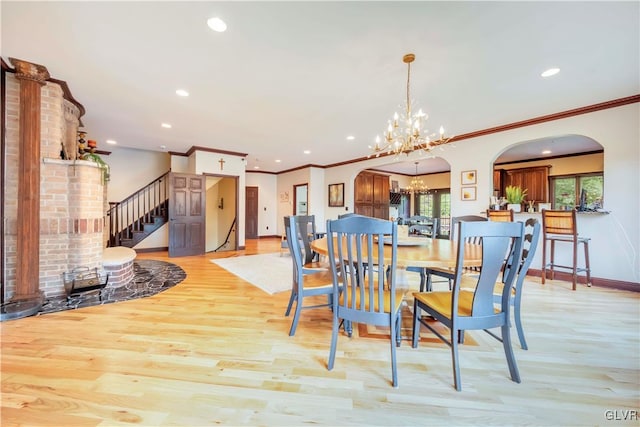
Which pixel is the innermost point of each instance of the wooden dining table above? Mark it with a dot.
(419, 252)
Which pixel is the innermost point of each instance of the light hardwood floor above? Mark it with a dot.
(215, 350)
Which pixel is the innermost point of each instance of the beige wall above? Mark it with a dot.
(133, 169)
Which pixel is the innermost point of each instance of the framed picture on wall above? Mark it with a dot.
(336, 195)
(468, 193)
(469, 177)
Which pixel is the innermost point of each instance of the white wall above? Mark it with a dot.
(615, 244)
(286, 181)
(318, 196)
(133, 169)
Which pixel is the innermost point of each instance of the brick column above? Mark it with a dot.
(31, 77)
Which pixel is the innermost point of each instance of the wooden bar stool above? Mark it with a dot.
(561, 226)
(504, 216)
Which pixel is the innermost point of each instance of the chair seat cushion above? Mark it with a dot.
(441, 301)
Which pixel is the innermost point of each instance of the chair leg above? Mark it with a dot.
(574, 277)
(399, 328)
(334, 342)
(348, 328)
(454, 359)
(508, 351)
(291, 299)
(416, 325)
(424, 282)
(393, 328)
(586, 262)
(296, 317)
(518, 320)
(544, 261)
(553, 247)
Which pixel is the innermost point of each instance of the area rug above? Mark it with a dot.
(271, 273)
(149, 278)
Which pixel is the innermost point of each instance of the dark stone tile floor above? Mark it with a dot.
(150, 277)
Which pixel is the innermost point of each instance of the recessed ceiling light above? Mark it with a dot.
(217, 24)
(111, 141)
(550, 72)
(278, 160)
(307, 152)
(351, 138)
(182, 92)
(166, 125)
(256, 167)
(163, 147)
(546, 152)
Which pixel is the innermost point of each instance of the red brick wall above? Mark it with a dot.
(72, 194)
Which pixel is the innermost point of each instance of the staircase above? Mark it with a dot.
(140, 214)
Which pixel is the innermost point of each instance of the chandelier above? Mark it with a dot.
(405, 132)
(417, 185)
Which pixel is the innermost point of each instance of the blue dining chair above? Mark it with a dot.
(472, 309)
(368, 283)
(306, 282)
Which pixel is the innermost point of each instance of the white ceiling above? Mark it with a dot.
(293, 76)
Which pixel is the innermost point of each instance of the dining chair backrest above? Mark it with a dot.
(295, 248)
(529, 245)
(306, 232)
(456, 220)
(359, 242)
(347, 215)
(497, 239)
(532, 229)
(500, 215)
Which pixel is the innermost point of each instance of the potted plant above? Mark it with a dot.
(515, 197)
(93, 157)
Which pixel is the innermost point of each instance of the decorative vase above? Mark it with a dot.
(517, 207)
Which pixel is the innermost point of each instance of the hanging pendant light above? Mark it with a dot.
(405, 132)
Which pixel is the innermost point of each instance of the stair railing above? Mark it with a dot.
(228, 235)
(130, 215)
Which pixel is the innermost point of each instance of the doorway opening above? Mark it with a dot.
(221, 214)
(300, 199)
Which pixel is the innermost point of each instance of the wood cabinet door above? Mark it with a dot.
(364, 188)
(534, 180)
(364, 209)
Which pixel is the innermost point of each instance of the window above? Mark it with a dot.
(435, 204)
(566, 190)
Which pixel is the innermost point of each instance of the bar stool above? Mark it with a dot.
(505, 216)
(561, 226)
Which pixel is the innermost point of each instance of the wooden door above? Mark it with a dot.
(186, 214)
(251, 213)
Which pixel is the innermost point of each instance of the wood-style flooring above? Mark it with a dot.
(215, 350)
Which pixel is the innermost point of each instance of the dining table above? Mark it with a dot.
(418, 252)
